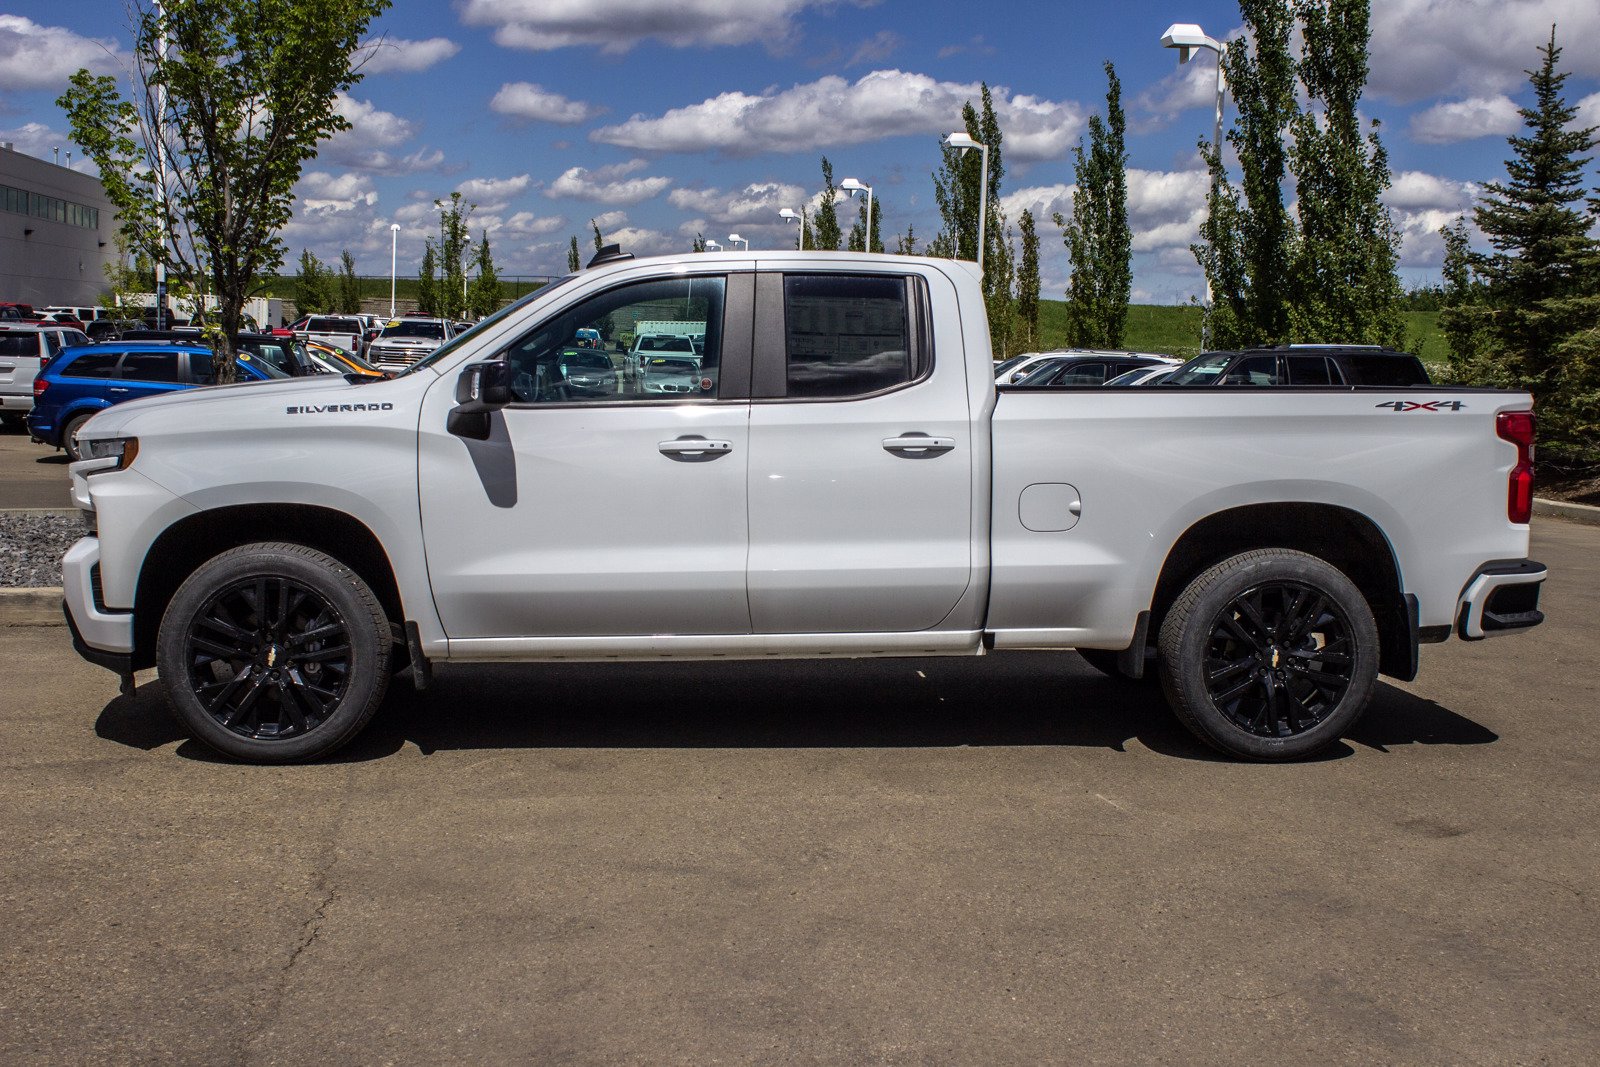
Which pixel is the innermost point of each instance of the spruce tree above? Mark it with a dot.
(1345, 285)
(1098, 239)
(825, 223)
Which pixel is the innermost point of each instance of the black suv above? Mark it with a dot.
(1304, 365)
(285, 353)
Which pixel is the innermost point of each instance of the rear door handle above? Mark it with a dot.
(918, 444)
(118, 389)
(694, 446)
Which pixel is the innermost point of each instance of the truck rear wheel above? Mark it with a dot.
(1270, 655)
(273, 653)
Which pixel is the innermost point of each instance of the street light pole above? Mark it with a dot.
(394, 245)
(851, 186)
(788, 215)
(734, 238)
(1187, 37)
(963, 141)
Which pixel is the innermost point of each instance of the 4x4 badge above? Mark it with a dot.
(1423, 405)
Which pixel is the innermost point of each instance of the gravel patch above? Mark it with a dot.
(32, 544)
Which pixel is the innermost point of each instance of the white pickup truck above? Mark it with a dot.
(846, 481)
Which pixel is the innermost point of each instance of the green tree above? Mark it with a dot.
(825, 232)
(906, 244)
(958, 189)
(1098, 239)
(857, 240)
(1028, 285)
(699, 243)
(1346, 287)
(313, 286)
(349, 300)
(229, 99)
(1248, 242)
(483, 295)
(599, 241)
(427, 282)
(454, 240)
(574, 261)
(1465, 318)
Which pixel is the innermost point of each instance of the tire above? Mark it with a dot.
(69, 435)
(274, 686)
(1270, 655)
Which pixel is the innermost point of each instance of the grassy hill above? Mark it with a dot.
(1175, 330)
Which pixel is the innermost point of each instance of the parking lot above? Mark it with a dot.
(1005, 860)
(31, 475)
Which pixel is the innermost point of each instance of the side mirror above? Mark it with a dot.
(484, 387)
(481, 389)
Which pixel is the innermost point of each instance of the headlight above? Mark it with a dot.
(123, 449)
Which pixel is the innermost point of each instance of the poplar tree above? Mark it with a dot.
(1028, 285)
(427, 283)
(313, 288)
(349, 284)
(857, 240)
(1345, 285)
(483, 295)
(825, 231)
(1098, 239)
(574, 261)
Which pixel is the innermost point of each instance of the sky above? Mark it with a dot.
(664, 119)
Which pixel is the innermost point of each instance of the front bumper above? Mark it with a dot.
(101, 636)
(1502, 598)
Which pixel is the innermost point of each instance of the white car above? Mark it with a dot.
(405, 341)
(25, 349)
(1017, 368)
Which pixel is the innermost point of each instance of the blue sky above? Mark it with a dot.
(666, 118)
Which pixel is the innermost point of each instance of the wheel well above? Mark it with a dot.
(1347, 539)
(190, 542)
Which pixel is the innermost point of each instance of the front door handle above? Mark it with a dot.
(918, 444)
(118, 389)
(695, 448)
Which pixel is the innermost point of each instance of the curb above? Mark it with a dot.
(1560, 509)
(39, 606)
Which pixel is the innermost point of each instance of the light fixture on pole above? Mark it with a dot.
(712, 246)
(851, 186)
(735, 239)
(963, 141)
(466, 242)
(394, 246)
(788, 214)
(1187, 38)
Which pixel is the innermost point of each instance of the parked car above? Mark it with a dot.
(84, 314)
(63, 318)
(110, 329)
(1304, 365)
(346, 331)
(26, 348)
(406, 340)
(1019, 367)
(648, 345)
(671, 374)
(1154, 375)
(587, 373)
(13, 312)
(342, 360)
(1087, 369)
(285, 353)
(81, 382)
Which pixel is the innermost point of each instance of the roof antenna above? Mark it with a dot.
(609, 254)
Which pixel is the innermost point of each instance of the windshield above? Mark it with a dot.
(462, 338)
(1202, 370)
(414, 328)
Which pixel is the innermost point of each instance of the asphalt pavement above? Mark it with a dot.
(998, 860)
(31, 475)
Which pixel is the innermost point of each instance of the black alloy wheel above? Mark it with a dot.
(1279, 658)
(268, 657)
(274, 652)
(1269, 655)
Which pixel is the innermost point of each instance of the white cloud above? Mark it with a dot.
(493, 194)
(44, 57)
(618, 25)
(756, 203)
(1165, 208)
(527, 224)
(1463, 120)
(323, 193)
(373, 133)
(832, 111)
(1589, 110)
(395, 55)
(1420, 204)
(38, 140)
(525, 100)
(609, 220)
(1193, 85)
(1425, 48)
(608, 185)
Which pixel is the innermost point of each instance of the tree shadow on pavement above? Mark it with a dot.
(1013, 699)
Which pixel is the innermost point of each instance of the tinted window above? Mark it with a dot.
(1253, 370)
(200, 371)
(1388, 370)
(1309, 370)
(150, 366)
(846, 335)
(17, 345)
(1081, 374)
(427, 330)
(94, 365)
(554, 365)
(1202, 370)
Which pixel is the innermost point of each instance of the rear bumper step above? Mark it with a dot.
(1502, 599)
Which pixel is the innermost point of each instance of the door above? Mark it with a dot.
(595, 508)
(860, 455)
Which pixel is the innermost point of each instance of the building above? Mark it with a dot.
(57, 232)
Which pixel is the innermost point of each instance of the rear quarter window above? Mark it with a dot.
(1388, 370)
(93, 365)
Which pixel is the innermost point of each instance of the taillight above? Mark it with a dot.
(1517, 427)
(39, 386)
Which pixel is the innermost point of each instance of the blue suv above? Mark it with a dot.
(90, 378)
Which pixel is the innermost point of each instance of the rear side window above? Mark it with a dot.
(1311, 370)
(1081, 374)
(1388, 370)
(18, 345)
(150, 366)
(845, 335)
(93, 365)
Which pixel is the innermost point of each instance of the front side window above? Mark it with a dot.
(580, 355)
(846, 335)
(1253, 370)
(1309, 370)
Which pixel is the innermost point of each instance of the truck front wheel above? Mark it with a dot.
(273, 653)
(1270, 655)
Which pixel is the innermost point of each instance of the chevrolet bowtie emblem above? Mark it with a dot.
(1274, 659)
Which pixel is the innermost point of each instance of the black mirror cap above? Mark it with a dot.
(484, 387)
